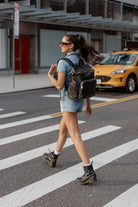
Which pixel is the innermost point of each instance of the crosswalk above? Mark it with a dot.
(126, 199)
(36, 190)
(45, 186)
(26, 121)
(92, 98)
(32, 154)
(17, 113)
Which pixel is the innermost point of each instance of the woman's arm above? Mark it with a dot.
(88, 108)
(59, 83)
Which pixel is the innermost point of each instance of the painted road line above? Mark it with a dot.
(37, 152)
(128, 98)
(17, 113)
(1, 109)
(92, 98)
(42, 187)
(56, 114)
(26, 121)
(127, 199)
(94, 106)
(26, 135)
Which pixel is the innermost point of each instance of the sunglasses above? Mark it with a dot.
(65, 43)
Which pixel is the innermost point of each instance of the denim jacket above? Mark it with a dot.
(63, 66)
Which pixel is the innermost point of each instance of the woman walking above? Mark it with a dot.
(70, 108)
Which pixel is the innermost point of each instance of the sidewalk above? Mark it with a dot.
(24, 82)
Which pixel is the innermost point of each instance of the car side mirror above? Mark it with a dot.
(137, 63)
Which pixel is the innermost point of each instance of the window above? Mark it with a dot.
(23, 2)
(114, 10)
(76, 6)
(33, 3)
(96, 8)
(120, 59)
(55, 5)
(127, 13)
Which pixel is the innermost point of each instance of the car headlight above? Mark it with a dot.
(123, 70)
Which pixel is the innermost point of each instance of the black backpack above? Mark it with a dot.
(82, 83)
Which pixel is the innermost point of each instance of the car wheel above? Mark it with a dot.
(130, 84)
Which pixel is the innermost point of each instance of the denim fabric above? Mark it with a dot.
(67, 104)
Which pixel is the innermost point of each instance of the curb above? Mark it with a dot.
(24, 90)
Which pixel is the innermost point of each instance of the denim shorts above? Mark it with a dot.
(69, 105)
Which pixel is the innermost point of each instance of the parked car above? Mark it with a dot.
(101, 57)
(118, 70)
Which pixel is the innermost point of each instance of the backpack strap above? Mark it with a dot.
(70, 63)
(67, 60)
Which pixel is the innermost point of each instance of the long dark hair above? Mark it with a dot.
(86, 51)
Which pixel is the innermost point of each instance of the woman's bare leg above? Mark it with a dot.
(62, 136)
(51, 158)
(71, 122)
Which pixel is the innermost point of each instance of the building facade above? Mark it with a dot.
(107, 24)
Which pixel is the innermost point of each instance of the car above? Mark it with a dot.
(100, 58)
(118, 70)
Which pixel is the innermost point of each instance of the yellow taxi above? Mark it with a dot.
(118, 70)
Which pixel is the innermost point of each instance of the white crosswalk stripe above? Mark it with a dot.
(17, 113)
(32, 154)
(1, 109)
(102, 99)
(26, 135)
(51, 96)
(26, 121)
(92, 98)
(126, 199)
(40, 188)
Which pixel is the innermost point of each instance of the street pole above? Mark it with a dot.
(15, 34)
(13, 52)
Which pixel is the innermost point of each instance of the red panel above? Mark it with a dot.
(17, 55)
(25, 53)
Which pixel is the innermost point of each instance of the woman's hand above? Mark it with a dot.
(88, 108)
(52, 69)
(88, 111)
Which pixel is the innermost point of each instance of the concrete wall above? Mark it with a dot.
(50, 46)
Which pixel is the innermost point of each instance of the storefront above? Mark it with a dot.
(44, 23)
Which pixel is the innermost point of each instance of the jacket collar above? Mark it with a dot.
(71, 53)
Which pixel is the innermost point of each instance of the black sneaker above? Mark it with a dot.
(50, 158)
(88, 177)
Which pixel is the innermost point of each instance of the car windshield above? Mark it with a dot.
(119, 59)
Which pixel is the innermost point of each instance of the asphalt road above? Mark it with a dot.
(29, 127)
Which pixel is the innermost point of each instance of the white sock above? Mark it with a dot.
(87, 165)
(56, 153)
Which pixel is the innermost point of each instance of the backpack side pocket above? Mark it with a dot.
(87, 89)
